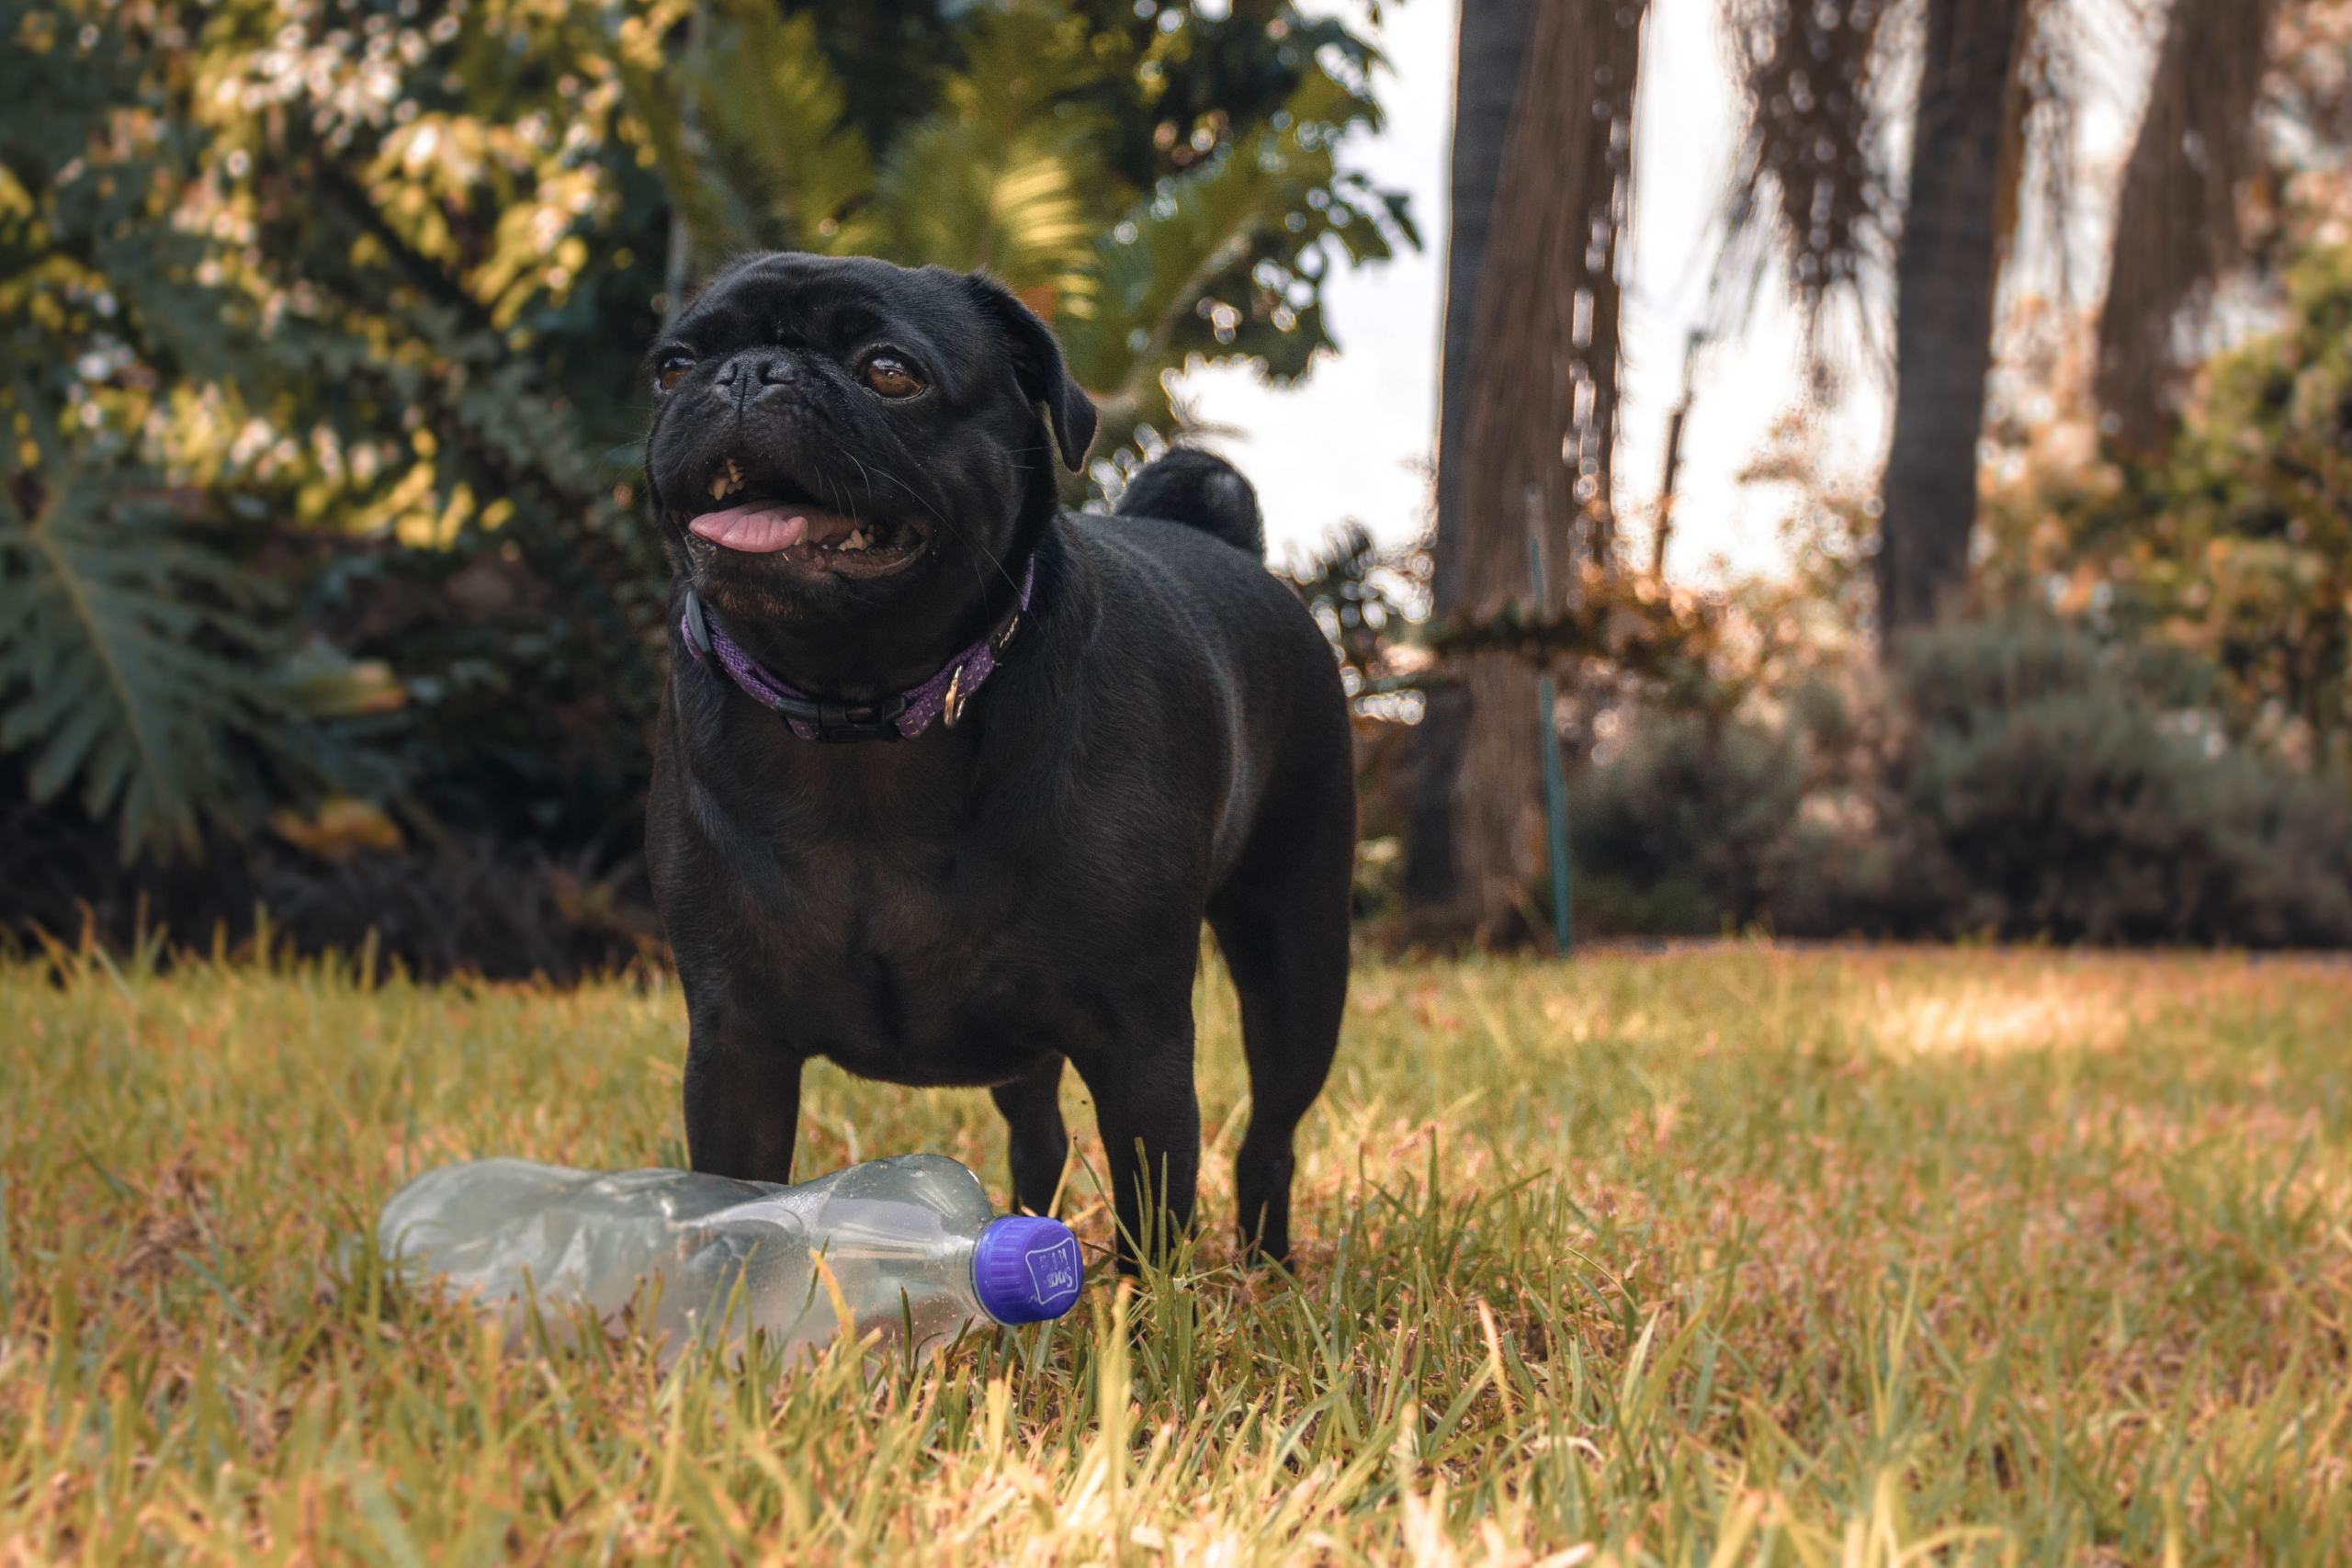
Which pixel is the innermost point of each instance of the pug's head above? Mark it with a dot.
(851, 460)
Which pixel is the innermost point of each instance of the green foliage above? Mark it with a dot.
(312, 340)
(2236, 542)
(1170, 270)
(1005, 176)
(749, 138)
(143, 668)
(1017, 170)
(361, 291)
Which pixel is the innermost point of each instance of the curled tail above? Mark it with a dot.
(1200, 491)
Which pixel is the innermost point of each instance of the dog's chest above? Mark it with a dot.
(925, 952)
(914, 915)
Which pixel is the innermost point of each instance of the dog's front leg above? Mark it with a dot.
(1150, 1121)
(742, 1101)
(1035, 1136)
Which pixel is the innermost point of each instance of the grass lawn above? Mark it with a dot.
(1726, 1257)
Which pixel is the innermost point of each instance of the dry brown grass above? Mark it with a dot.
(1724, 1257)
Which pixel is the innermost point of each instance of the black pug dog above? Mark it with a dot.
(947, 777)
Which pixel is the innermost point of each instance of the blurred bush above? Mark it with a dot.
(1685, 826)
(2014, 778)
(2055, 787)
(457, 903)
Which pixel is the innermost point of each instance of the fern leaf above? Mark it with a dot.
(130, 662)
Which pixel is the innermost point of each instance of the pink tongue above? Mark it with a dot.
(755, 529)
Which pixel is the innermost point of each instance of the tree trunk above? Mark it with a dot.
(2177, 228)
(1490, 44)
(1527, 421)
(1945, 277)
(1485, 81)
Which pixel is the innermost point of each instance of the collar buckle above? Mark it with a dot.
(844, 721)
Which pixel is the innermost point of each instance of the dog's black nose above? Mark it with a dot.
(751, 373)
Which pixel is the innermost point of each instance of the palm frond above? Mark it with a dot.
(2177, 227)
(1007, 174)
(1811, 180)
(131, 662)
(773, 125)
(1160, 272)
(749, 134)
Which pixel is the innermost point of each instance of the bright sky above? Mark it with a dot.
(1356, 440)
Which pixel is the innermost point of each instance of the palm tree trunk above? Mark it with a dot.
(1491, 42)
(1527, 424)
(1945, 277)
(2177, 228)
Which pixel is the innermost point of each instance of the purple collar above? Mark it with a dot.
(902, 718)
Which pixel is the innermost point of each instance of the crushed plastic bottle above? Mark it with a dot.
(910, 1241)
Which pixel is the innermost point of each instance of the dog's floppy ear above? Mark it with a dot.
(1037, 365)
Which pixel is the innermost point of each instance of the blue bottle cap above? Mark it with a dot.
(1026, 1269)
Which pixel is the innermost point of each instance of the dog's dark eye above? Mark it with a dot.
(672, 369)
(891, 377)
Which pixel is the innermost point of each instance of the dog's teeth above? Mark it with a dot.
(857, 540)
(727, 483)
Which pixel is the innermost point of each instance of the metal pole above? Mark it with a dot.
(1556, 787)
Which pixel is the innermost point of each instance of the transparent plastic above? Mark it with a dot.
(910, 1243)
